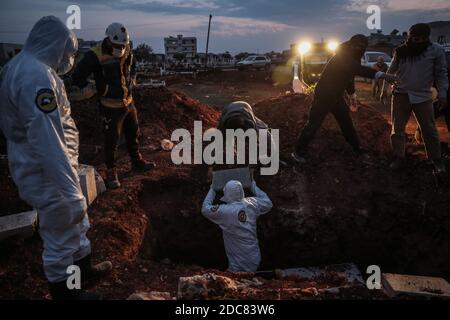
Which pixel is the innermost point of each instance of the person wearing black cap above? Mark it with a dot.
(418, 64)
(337, 79)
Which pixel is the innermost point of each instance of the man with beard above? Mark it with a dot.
(418, 63)
(338, 78)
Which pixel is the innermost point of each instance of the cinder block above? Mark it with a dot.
(22, 224)
(88, 183)
(396, 284)
(243, 175)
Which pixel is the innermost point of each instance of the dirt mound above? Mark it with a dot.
(160, 111)
(289, 113)
(334, 209)
(318, 203)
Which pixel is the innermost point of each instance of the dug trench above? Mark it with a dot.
(336, 208)
(399, 236)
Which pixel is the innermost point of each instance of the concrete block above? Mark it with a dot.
(100, 183)
(220, 178)
(91, 182)
(349, 271)
(396, 285)
(88, 183)
(22, 224)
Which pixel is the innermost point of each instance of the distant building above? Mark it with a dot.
(440, 31)
(186, 46)
(9, 51)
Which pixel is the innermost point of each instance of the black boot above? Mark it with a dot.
(92, 273)
(142, 165)
(59, 291)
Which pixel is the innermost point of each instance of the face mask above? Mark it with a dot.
(66, 66)
(118, 53)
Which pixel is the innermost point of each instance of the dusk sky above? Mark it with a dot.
(251, 25)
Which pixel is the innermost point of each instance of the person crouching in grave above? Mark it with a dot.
(237, 218)
(240, 115)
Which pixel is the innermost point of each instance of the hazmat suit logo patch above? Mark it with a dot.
(242, 216)
(46, 101)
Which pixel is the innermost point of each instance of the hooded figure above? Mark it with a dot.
(237, 219)
(42, 143)
(337, 80)
(240, 115)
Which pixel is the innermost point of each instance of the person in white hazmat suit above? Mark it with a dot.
(42, 144)
(237, 219)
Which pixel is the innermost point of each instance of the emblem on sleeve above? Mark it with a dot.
(242, 216)
(215, 208)
(46, 100)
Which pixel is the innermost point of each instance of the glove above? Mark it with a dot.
(392, 79)
(353, 101)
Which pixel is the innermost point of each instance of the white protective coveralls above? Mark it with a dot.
(42, 143)
(237, 219)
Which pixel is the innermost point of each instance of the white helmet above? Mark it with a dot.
(233, 192)
(118, 34)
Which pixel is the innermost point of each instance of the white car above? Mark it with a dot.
(370, 58)
(254, 62)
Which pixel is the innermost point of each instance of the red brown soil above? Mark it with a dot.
(352, 210)
(153, 232)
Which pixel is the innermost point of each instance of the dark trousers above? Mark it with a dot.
(319, 110)
(116, 120)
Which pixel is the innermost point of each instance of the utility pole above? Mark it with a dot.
(207, 42)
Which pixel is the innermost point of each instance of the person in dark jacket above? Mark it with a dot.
(112, 64)
(337, 79)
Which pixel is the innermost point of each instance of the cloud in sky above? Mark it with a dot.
(402, 5)
(237, 25)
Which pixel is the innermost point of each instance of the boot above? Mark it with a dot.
(142, 165)
(59, 291)
(92, 273)
(112, 180)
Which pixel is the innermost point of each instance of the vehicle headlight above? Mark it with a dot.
(333, 45)
(304, 47)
